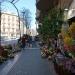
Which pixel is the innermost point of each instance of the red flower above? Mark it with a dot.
(66, 47)
(72, 48)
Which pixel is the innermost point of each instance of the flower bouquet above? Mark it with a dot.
(72, 30)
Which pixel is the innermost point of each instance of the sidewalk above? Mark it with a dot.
(31, 63)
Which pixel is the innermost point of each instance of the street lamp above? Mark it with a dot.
(18, 15)
(36, 26)
(13, 3)
(23, 21)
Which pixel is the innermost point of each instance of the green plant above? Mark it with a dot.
(5, 54)
(1, 60)
(51, 25)
(8, 47)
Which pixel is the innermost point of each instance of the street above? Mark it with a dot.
(7, 42)
(29, 62)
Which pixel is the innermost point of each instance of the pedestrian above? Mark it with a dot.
(30, 41)
(19, 42)
(33, 38)
(23, 40)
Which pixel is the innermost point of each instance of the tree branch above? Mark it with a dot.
(14, 1)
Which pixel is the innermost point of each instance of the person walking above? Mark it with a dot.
(23, 40)
(19, 42)
(30, 41)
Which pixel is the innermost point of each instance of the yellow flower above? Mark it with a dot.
(72, 30)
(68, 41)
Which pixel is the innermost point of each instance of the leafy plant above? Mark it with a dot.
(51, 25)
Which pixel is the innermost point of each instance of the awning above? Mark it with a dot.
(46, 4)
(71, 20)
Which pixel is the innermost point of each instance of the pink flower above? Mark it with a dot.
(66, 47)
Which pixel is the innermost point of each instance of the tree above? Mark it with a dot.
(51, 25)
(13, 1)
(26, 17)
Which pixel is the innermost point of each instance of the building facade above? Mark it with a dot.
(10, 26)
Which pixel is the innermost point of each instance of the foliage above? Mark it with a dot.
(51, 24)
(72, 30)
(9, 47)
(27, 17)
(68, 41)
(5, 54)
(44, 30)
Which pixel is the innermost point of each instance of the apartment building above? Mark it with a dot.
(10, 26)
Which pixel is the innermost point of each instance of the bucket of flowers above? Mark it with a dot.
(69, 42)
(43, 49)
(51, 52)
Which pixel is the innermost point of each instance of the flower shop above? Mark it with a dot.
(61, 50)
(65, 59)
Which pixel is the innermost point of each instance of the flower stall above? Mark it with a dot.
(65, 63)
(69, 42)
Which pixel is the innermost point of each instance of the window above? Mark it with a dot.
(13, 24)
(3, 16)
(8, 29)
(8, 18)
(12, 19)
(3, 29)
(13, 29)
(8, 25)
(3, 25)
(3, 19)
(12, 35)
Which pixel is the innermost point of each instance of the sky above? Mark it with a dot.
(28, 4)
